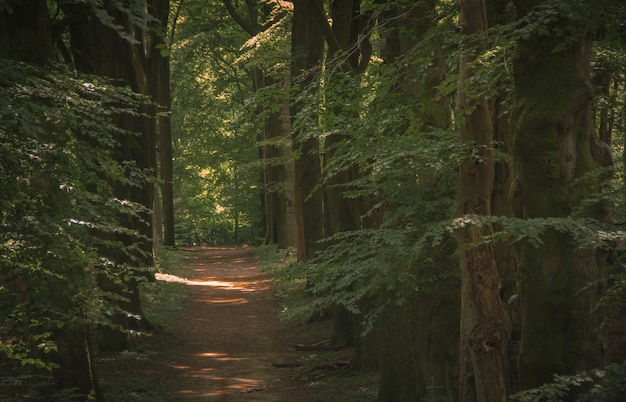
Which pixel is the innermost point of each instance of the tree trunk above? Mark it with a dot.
(100, 49)
(420, 341)
(307, 47)
(278, 185)
(504, 201)
(342, 213)
(26, 35)
(552, 135)
(75, 358)
(25, 32)
(275, 152)
(485, 325)
(165, 146)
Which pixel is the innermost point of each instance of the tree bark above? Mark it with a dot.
(163, 97)
(26, 32)
(485, 325)
(99, 49)
(307, 47)
(278, 178)
(26, 35)
(552, 128)
(420, 341)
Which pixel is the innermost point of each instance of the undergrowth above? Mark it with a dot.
(289, 285)
(607, 384)
(162, 300)
(331, 384)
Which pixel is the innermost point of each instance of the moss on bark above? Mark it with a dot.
(552, 132)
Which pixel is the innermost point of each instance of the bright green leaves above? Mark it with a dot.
(215, 129)
(164, 50)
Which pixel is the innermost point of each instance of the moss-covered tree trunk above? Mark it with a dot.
(485, 324)
(552, 137)
(419, 339)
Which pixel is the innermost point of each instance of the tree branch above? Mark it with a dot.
(333, 44)
(238, 19)
(175, 21)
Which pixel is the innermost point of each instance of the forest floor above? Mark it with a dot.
(225, 342)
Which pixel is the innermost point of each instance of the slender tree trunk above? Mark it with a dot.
(553, 140)
(342, 213)
(165, 147)
(277, 170)
(485, 325)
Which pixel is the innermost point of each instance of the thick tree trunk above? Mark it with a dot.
(75, 358)
(553, 135)
(485, 325)
(25, 32)
(419, 340)
(278, 178)
(100, 50)
(306, 52)
(26, 35)
(342, 214)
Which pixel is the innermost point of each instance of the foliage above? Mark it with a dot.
(58, 212)
(162, 301)
(598, 385)
(381, 127)
(585, 232)
(36, 388)
(216, 184)
(269, 50)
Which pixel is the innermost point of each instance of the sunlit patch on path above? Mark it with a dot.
(244, 286)
(229, 335)
(178, 279)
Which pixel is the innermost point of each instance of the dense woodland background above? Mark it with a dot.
(450, 175)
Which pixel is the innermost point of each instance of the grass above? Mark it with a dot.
(161, 301)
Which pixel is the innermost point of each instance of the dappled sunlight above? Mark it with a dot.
(244, 286)
(186, 281)
(227, 386)
(219, 356)
(222, 300)
(220, 384)
(226, 362)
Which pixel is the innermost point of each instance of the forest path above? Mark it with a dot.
(221, 345)
(229, 334)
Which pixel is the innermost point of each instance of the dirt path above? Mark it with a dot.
(223, 344)
(229, 335)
